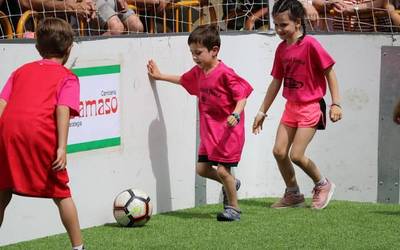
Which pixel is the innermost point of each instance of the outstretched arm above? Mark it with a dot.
(62, 117)
(3, 104)
(335, 112)
(155, 73)
(272, 91)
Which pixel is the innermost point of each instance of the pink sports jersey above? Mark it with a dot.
(218, 92)
(66, 91)
(302, 66)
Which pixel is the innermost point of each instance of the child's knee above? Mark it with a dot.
(115, 25)
(134, 24)
(223, 172)
(279, 153)
(296, 157)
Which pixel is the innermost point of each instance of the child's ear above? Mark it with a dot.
(215, 50)
(298, 22)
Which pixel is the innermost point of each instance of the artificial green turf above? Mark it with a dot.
(342, 225)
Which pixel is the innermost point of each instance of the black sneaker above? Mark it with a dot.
(225, 197)
(229, 214)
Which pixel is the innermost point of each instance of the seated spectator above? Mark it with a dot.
(84, 8)
(155, 9)
(116, 17)
(69, 10)
(237, 12)
(352, 15)
(154, 6)
(392, 12)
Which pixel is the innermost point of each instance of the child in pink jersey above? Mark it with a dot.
(35, 107)
(304, 66)
(222, 97)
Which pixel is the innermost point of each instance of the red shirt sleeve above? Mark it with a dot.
(189, 81)
(68, 94)
(240, 88)
(6, 92)
(320, 56)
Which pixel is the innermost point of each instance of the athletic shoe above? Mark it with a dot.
(290, 199)
(229, 214)
(322, 194)
(225, 197)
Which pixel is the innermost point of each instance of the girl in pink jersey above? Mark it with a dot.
(222, 97)
(35, 107)
(304, 66)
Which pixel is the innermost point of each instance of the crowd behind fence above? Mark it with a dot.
(19, 18)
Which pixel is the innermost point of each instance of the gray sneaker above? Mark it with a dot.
(225, 197)
(229, 214)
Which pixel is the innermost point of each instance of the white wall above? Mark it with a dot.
(158, 129)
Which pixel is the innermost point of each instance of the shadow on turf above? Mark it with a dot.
(396, 213)
(190, 215)
(256, 203)
(118, 226)
(112, 225)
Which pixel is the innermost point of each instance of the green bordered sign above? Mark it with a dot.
(98, 124)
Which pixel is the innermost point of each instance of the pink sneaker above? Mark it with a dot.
(289, 199)
(322, 195)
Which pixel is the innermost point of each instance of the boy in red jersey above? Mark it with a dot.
(35, 107)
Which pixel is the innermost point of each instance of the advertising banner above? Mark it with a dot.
(98, 124)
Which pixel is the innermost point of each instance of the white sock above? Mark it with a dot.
(78, 247)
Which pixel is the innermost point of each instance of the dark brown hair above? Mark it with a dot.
(54, 37)
(296, 11)
(206, 35)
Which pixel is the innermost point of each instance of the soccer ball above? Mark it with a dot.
(132, 207)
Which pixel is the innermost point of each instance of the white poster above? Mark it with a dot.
(98, 124)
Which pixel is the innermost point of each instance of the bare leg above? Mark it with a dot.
(301, 140)
(5, 198)
(204, 169)
(283, 141)
(69, 217)
(114, 26)
(133, 24)
(229, 183)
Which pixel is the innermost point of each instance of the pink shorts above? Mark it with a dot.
(304, 115)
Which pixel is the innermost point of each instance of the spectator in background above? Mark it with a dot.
(85, 8)
(236, 13)
(352, 15)
(155, 6)
(117, 17)
(395, 17)
(68, 10)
